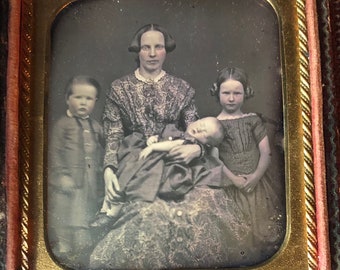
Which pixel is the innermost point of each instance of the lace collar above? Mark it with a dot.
(69, 114)
(245, 115)
(141, 78)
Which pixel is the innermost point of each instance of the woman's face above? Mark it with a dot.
(231, 96)
(152, 52)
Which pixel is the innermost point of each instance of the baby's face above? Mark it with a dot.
(202, 130)
(82, 100)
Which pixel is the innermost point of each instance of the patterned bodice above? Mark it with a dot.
(137, 105)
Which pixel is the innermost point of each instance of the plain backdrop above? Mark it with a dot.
(92, 36)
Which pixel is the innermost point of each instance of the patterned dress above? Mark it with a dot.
(135, 104)
(240, 153)
(203, 229)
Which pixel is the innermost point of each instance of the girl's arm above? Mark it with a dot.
(238, 181)
(264, 161)
(165, 146)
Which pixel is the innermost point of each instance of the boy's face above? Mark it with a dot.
(82, 100)
(202, 130)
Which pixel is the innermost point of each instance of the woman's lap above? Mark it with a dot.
(206, 229)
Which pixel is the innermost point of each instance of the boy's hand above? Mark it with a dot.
(67, 184)
(151, 140)
(145, 152)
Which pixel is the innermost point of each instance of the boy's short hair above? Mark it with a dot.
(81, 79)
(218, 135)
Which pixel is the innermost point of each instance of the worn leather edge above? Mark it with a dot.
(318, 144)
(12, 136)
(328, 46)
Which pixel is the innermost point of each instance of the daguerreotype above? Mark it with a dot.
(170, 134)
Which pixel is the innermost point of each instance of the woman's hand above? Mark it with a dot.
(184, 153)
(111, 183)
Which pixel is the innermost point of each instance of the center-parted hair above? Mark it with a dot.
(169, 42)
(81, 79)
(232, 73)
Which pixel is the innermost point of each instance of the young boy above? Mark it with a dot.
(75, 173)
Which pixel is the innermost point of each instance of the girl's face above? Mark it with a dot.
(152, 52)
(82, 100)
(231, 96)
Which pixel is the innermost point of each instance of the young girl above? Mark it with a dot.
(143, 174)
(246, 154)
(75, 155)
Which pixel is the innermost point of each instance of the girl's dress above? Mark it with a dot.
(240, 153)
(205, 228)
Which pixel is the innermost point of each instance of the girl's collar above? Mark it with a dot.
(69, 114)
(236, 117)
(141, 78)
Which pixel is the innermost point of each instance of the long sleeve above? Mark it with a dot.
(189, 112)
(113, 132)
(57, 156)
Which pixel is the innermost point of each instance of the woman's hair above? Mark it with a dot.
(81, 79)
(232, 73)
(170, 43)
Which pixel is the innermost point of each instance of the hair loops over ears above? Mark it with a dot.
(169, 42)
(232, 73)
(214, 89)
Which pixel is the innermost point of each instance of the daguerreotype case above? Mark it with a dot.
(273, 41)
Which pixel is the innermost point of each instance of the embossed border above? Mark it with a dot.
(301, 249)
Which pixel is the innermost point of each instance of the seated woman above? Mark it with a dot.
(203, 229)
